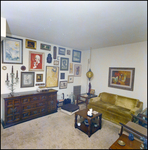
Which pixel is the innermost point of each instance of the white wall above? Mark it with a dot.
(130, 55)
(67, 92)
(3, 28)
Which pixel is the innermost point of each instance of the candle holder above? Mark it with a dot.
(14, 81)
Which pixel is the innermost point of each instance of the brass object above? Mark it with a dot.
(89, 74)
(4, 67)
(120, 142)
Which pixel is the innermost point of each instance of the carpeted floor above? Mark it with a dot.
(57, 131)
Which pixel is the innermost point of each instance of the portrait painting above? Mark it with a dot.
(77, 70)
(12, 50)
(36, 61)
(52, 76)
(64, 63)
(122, 78)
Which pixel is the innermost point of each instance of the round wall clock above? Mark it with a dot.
(23, 68)
(4, 67)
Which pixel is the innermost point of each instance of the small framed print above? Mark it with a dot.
(63, 84)
(71, 68)
(64, 63)
(76, 56)
(61, 51)
(62, 76)
(45, 47)
(39, 77)
(27, 79)
(70, 79)
(68, 52)
(56, 62)
(77, 70)
(30, 44)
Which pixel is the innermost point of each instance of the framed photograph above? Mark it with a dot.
(39, 77)
(12, 50)
(71, 68)
(56, 62)
(62, 76)
(52, 76)
(61, 51)
(36, 61)
(64, 63)
(30, 44)
(45, 47)
(27, 79)
(63, 84)
(76, 56)
(70, 79)
(68, 52)
(121, 78)
(77, 70)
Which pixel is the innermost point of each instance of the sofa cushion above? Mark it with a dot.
(103, 105)
(108, 98)
(126, 102)
(119, 110)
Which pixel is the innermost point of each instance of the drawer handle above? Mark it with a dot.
(40, 104)
(42, 109)
(51, 102)
(35, 98)
(13, 110)
(43, 97)
(35, 112)
(26, 114)
(25, 100)
(28, 106)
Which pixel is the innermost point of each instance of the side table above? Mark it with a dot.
(86, 97)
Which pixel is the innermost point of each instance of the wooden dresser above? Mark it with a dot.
(24, 106)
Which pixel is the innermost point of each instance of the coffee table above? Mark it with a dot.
(90, 129)
(128, 144)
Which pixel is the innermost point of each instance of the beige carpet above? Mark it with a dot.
(56, 131)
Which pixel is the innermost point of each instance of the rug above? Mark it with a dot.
(57, 131)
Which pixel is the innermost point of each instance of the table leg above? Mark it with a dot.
(89, 127)
(86, 102)
(76, 121)
(100, 121)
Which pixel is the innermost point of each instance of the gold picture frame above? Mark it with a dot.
(30, 44)
(52, 76)
(39, 77)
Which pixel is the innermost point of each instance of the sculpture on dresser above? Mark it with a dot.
(13, 82)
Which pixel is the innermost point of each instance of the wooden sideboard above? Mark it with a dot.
(24, 106)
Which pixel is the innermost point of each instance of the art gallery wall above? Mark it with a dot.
(67, 91)
(128, 56)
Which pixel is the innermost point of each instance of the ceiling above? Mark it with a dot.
(79, 25)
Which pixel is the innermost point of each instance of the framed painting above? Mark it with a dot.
(30, 44)
(77, 70)
(12, 50)
(52, 76)
(39, 77)
(27, 79)
(70, 79)
(68, 52)
(62, 76)
(76, 56)
(121, 78)
(61, 51)
(56, 62)
(36, 61)
(45, 47)
(71, 68)
(64, 63)
(63, 85)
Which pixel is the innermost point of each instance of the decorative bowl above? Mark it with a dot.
(120, 142)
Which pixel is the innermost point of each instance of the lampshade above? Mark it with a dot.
(89, 74)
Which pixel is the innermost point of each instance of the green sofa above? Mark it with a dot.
(115, 108)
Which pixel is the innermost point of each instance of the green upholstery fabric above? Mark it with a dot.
(115, 108)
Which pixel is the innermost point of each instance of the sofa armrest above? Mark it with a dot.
(135, 111)
(94, 99)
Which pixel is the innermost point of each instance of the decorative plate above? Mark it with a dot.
(120, 142)
(23, 68)
(4, 67)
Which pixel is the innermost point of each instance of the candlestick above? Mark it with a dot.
(12, 69)
(7, 76)
(17, 74)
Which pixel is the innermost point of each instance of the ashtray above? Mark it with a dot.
(89, 116)
(96, 125)
(120, 142)
(86, 122)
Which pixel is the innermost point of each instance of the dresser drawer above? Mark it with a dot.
(28, 107)
(25, 114)
(10, 103)
(12, 110)
(12, 118)
(43, 97)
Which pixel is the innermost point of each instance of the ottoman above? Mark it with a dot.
(69, 108)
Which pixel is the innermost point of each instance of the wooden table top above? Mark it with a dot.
(128, 144)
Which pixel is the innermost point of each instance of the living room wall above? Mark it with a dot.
(67, 91)
(128, 56)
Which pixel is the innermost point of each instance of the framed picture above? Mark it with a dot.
(121, 78)
(63, 84)
(61, 51)
(27, 79)
(68, 52)
(62, 76)
(76, 56)
(12, 50)
(45, 47)
(71, 68)
(64, 63)
(36, 61)
(30, 44)
(52, 76)
(39, 77)
(77, 70)
(56, 62)
(70, 79)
